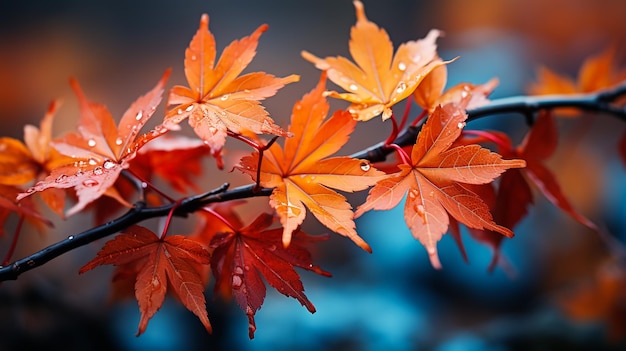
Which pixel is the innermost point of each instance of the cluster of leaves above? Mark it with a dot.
(444, 176)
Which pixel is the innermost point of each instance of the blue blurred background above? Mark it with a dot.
(390, 300)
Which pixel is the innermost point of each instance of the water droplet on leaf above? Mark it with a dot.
(224, 97)
(91, 142)
(119, 141)
(365, 166)
(401, 87)
(353, 87)
(98, 170)
(108, 164)
(402, 66)
(90, 183)
(139, 115)
(237, 281)
(61, 178)
(460, 125)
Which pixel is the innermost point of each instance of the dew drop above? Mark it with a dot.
(238, 270)
(98, 170)
(401, 87)
(460, 125)
(92, 162)
(108, 164)
(353, 87)
(464, 94)
(71, 237)
(119, 141)
(156, 283)
(179, 111)
(237, 281)
(139, 115)
(402, 66)
(61, 178)
(224, 97)
(193, 57)
(246, 267)
(365, 166)
(30, 190)
(90, 183)
(420, 210)
(189, 108)
(144, 185)
(212, 130)
(272, 247)
(91, 142)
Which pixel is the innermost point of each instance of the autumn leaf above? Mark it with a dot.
(430, 91)
(597, 72)
(218, 100)
(514, 194)
(22, 163)
(175, 159)
(160, 263)
(538, 145)
(101, 150)
(378, 79)
(243, 257)
(303, 175)
(26, 208)
(436, 182)
(600, 299)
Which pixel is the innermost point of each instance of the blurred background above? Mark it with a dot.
(391, 299)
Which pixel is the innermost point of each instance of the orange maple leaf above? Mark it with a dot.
(302, 175)
(34, 159)
(597, 72)
(379, 79)
(158, 263)
(218, 100)
(242, 257)
(101, 150)
(436, 179)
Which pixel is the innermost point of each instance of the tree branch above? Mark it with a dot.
(599, 102)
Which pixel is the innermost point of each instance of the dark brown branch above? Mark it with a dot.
(600, 102)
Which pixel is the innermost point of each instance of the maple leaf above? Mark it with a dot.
(430, 91)
(600, 299)
(100, 149)
(175, 159)
(302, 175)
(22, 163)
(218, 100)
(436, 181)
(597, 72)
(514, 194)
(241, 258)
(159, 263)
(26, 208)
(378, 79)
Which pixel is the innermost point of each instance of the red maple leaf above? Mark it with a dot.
(218, 100)
(242, 257)
(100, 149)
(159, 263)
(436, 181)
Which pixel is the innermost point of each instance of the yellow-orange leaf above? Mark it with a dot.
(303, 173)
(436, 182)
(218, 100)
(378, 79)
